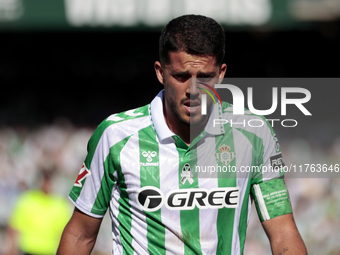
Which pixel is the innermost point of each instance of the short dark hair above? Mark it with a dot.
(194, 34)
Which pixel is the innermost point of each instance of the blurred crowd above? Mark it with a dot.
(24, 152)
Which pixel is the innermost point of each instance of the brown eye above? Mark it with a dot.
(205, 79)
(181, 77)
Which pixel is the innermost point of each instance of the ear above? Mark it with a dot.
(159, 72)
(223, 69)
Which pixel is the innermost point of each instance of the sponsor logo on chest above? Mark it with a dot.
(150, 198)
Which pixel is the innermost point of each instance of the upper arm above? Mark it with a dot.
(80, 234)
(280, 226)
(284, 236)
(84, 224)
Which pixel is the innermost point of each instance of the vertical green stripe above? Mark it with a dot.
(225, 218)
(105, 192)
(149, 176)
(242, 228)
(190, 219)
(124, 214)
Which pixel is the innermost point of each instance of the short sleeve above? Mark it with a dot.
(268, 187)
(91, 192)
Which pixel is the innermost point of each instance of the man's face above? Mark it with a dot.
(182, 100)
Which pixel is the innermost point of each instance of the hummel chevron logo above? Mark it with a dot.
(149, 155)
(84, 172)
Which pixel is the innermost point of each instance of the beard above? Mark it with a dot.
(195, 121)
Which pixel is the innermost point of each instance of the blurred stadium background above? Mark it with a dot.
(67, 65)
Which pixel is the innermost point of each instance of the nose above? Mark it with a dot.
(193, 91)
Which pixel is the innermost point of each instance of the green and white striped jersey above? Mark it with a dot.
(169, 198)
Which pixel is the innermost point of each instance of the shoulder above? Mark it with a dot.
(248, 121)
(255, 128)
(122, 124)
(115, 129)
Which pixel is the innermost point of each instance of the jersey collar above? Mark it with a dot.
(162, 129)
(157, 118)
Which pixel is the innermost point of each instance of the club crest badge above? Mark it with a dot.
(225, 155)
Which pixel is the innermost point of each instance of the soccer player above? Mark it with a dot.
(141, 164)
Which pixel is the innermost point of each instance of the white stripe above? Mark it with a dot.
(270, 150)
(242, 159)
(130, 159)
(261, 202)
(249, 209)
(169, 180)
(208, 217)
(114, 204)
